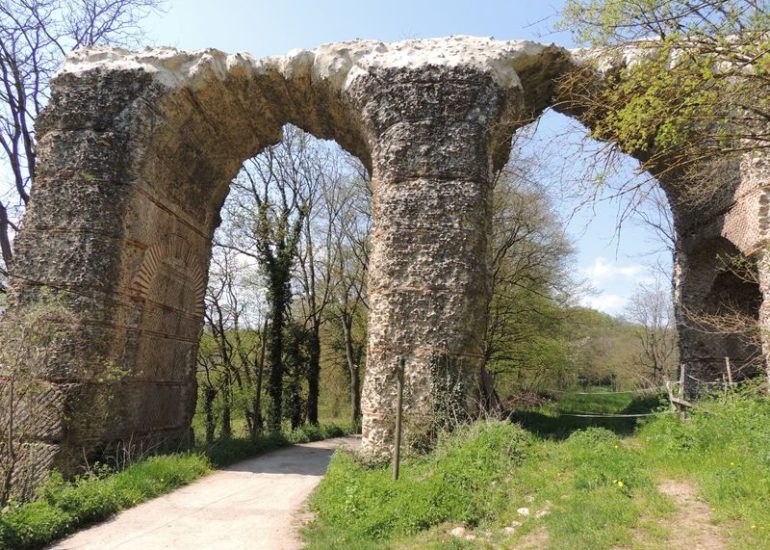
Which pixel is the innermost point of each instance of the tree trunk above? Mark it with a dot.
(227, 424)
(275, 381)
(258, 421)
(314, 373)
(355, 374)
(490, 401)
(209, 394)
(295, 402)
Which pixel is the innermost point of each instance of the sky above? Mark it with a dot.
(612, 265)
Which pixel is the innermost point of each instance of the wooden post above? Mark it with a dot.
(724, 387)
(729, 371)
(670, 396)
(400, 368)
(681, 380)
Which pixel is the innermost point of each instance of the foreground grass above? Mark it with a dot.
(64, 507)
(582, 487)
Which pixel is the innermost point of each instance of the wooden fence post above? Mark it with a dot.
(729, 370)
(399, 411)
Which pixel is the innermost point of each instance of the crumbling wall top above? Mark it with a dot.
(338, 63)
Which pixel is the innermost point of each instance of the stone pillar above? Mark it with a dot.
(70, 247)
(432, 134)
(125, 258)
(763, 275)
(715, 310)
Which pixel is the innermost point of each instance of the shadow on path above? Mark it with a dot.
(297, 459)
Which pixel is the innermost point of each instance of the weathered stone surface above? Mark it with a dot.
(136, 153)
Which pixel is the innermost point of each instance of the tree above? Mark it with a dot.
(694, 98)
(35, 35)
(351, 241)
(530, 283)
(651, 310)
(231, 356)
(267, 214)
(320, 171)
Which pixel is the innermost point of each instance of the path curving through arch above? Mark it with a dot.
(253, 504)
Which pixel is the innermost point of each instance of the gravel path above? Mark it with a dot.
(254, 504)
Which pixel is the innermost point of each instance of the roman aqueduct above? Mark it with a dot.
(136, 154)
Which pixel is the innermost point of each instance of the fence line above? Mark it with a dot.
(645, 390)
(581, 414)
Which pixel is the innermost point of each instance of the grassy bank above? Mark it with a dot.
(559, 483)
(64, 507)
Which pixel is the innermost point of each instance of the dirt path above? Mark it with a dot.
(253, 504)
(690, 525)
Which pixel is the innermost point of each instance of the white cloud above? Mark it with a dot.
(603, 271)
(608, 303)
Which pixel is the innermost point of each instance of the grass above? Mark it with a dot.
(463, 480)
(62, 507)
(554, 421)
(65, 506)
(585, 486)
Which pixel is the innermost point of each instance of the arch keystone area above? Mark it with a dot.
(136, 154)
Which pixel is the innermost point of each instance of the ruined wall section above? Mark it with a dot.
(439, 133)
(72, 241)
(135, 162)
(137, 150)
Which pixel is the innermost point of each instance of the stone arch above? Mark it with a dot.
(725, 213)
(136, 154)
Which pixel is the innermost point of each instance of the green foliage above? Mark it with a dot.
(596, 487)
(65, 506)
(689, 94)
(658, 107)
(463, 480)
(566, 346)
(613, 22)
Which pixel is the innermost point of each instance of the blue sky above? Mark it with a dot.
(613, 267)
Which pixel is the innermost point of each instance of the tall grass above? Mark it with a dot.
(583, 487)
(463, 480)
